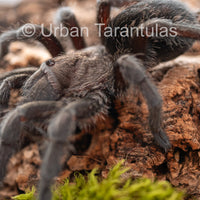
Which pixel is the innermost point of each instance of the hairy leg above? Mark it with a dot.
(104, 9)
(13, 82)
(103, 15)
(31, 31)
(11, 127)
(66, 17)
(184, 30)
(120, 3)
(103, 12)
(60, 129)
(132, 72)
(28, 71)
(31, 81)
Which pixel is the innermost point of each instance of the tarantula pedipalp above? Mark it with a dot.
(81, 85)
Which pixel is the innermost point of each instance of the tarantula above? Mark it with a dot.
(81, 86)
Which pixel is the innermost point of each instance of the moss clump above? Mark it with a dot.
(29, 195)
(111, 188)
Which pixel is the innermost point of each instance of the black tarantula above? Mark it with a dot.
(82, 85)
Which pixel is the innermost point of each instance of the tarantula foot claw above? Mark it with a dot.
(162, 140)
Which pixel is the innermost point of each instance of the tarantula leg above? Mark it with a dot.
(103, 15)
(133, 73)
(11, 126)
(183, 30)
(103, 12)
(60, 129)
(31, 81)
(5, 39)
(66, 17)
(27, 71)
(13, 82)
(31, 31)
(120, 3)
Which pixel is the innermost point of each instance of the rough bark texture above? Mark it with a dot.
(126, 135)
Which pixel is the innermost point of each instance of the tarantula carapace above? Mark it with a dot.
(80, 86)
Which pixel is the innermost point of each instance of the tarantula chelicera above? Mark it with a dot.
(82, 85)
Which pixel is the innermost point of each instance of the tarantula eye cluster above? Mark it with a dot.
(50, 62)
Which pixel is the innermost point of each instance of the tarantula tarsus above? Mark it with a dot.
(81, 86)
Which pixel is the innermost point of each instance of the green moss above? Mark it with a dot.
(111, 188)
(29, 195)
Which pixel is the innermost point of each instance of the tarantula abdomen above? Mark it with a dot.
(153, 49)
